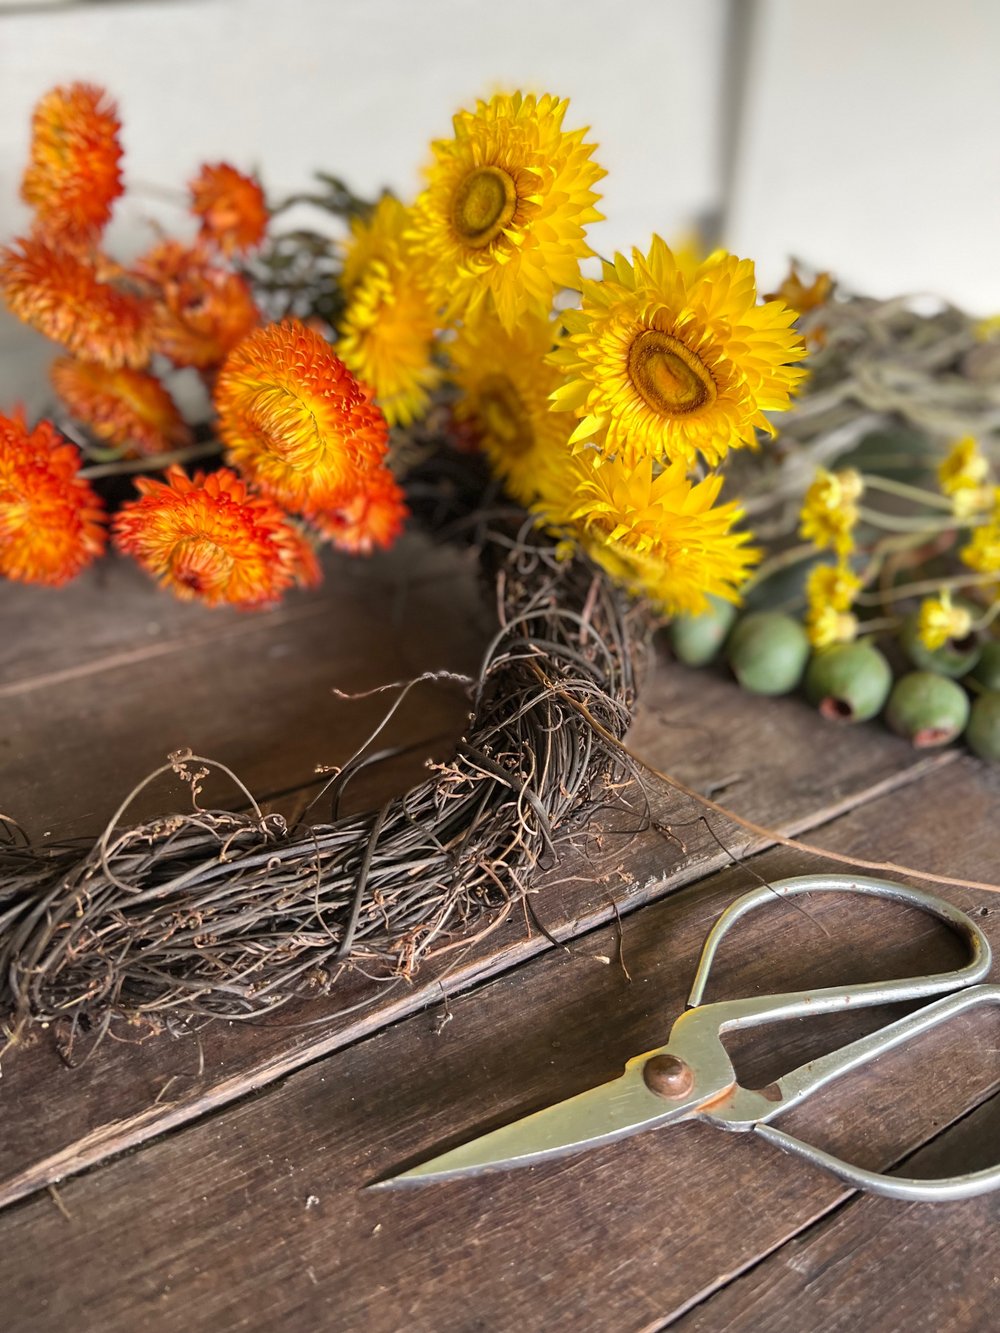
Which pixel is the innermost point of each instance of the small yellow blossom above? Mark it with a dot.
(983, 552)
(969, 501)
(504, 385)
(940, 620)
(826, 625)
(965, 467)
(829, 511)
(830, 590)
(832, 585)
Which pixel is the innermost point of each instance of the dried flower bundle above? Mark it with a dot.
(603, 418)
(456, 334)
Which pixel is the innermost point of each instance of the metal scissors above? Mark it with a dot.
(692, 1077)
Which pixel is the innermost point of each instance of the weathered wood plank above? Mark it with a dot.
(253, 691)
(70, 1119)
(882, 1264)
(115, 615)
(256, 1218)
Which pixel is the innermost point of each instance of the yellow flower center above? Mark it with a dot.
(286, 425)
(503, 416)
(668, 375)
(484, 204)
(15, 514)
(200, 564)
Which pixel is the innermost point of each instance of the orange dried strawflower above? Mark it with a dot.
(51, 522)
(68, 300)
(231, 206)
(208, 537)
(74, 174)
(200, 311)
(126, 408)
(373, 516)
(296, 421)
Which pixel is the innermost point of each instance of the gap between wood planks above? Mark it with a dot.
(217, 1223)
(699, 1313)
(154, 1120)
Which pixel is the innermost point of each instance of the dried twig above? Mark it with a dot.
(211, 913)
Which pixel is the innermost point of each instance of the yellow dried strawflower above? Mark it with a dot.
(667, 361)
(387, 329)
(969, 501)
(830, 591)
(660, 535)
(832, 585)
(829, 510)
(505, 385)
(825, 625)
(505, 207)
(940, 620)
(965, 467)
(983, 550)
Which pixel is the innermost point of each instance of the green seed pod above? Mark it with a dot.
(848, 682)
(767, 652)
(955, 658)
(697, 640)
(927, 709)
(983, 732)
(987, 670)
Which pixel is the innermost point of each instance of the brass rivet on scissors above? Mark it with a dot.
(668, 1076)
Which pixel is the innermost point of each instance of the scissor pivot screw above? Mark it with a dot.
(668, 1076)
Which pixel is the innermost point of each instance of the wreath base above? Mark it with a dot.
(215, 914)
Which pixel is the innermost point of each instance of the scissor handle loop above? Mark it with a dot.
(945, 1189)
(799, 1084)
(772, 1007)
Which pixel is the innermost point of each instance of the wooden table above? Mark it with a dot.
(215, 1181)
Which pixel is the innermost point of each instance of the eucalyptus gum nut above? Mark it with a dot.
(982, 735)
(767, 652)
(951, 659)
(927, 709)
(697, 640)
(987, 669)
(848, 682)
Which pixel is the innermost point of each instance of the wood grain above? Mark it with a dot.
(880, 1263)
(131, 674)
(255, 1218)
(255, 692)
(71, 1118)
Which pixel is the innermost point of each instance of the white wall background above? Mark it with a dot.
(870, 143)
(859, 134)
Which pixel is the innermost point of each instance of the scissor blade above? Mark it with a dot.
(612, 1111)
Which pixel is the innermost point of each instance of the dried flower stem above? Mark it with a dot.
(150, 462)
